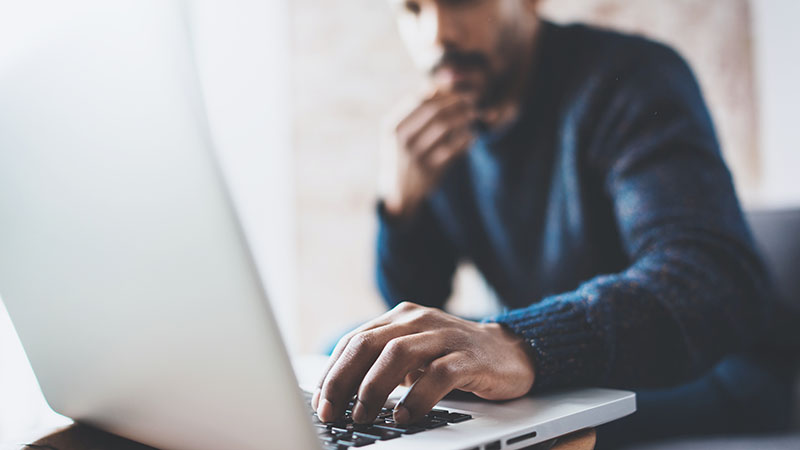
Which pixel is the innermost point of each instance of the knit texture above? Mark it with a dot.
(604, 218)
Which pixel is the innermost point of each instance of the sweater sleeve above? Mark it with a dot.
(415, 261)
(694, 288)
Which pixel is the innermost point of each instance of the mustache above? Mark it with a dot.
(461, 60)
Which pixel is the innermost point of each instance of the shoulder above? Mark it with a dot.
(603, 60)
(607, 73)
(608, 49)
(623, 88)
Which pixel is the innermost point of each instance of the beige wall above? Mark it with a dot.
(349, 68)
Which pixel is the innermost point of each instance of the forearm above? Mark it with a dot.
(413, 260)
(667, 318)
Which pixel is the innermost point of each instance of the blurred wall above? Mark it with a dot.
(349, 68)
(776, 36)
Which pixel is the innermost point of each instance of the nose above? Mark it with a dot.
(442, 26)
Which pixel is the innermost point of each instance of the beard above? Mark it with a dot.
(511, 55)
(496, 83)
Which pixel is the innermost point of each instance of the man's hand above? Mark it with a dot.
(417, 149)
(430, 350)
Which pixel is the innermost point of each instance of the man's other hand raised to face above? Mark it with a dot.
(476, 55)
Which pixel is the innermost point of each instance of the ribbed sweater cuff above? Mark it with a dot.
(566, 348)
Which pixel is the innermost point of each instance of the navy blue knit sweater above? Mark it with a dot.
(604, 218)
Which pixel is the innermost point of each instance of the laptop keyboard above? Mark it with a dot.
(344, 434)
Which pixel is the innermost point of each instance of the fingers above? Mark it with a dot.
(442, 376)
(434, 126)
(441, 134)
(418, 130)
(349, 369)
(444, 136)
(380, 321)
(337, 352)
(412, 377)
(442, 155)
(414, 115)
(408, 344)
(430, 125)
(409, 105)
(434, 350)
(400, 356)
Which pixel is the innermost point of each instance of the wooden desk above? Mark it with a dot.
(82, 437)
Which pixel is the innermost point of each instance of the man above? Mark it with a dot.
(579, 171)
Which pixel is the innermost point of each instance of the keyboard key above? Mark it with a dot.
(342, 429)
(451, 417)
(378, 434)
(343, 433)
(341, 423)
(405, 429)
(352, 440)
(327, 436)
(458, 417)
(431, 423)
(333, 446)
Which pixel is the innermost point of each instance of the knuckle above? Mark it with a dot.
(361, 342)
(444, 370)
(440, 129)
(395, 348)
(331, 387)
(442, 112)
(403, 140)
(457, 120)
(348, 337)
(406, 306)
(369, 392)
(425, 314)
(420, 159)
(435, 163)
(342, 344)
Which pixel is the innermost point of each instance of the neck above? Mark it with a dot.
(506, 109)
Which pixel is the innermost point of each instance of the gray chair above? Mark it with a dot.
(777, 233)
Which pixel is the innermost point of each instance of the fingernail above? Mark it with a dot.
(359, 412)
(325, 411)
(315, 399)
(401, 415)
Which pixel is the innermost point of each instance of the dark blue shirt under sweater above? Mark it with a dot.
(604, 218)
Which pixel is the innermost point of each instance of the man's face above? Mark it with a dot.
(470, 46)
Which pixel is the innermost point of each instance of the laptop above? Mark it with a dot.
(129, 279)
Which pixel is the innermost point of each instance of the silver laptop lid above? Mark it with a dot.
(121, 261)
